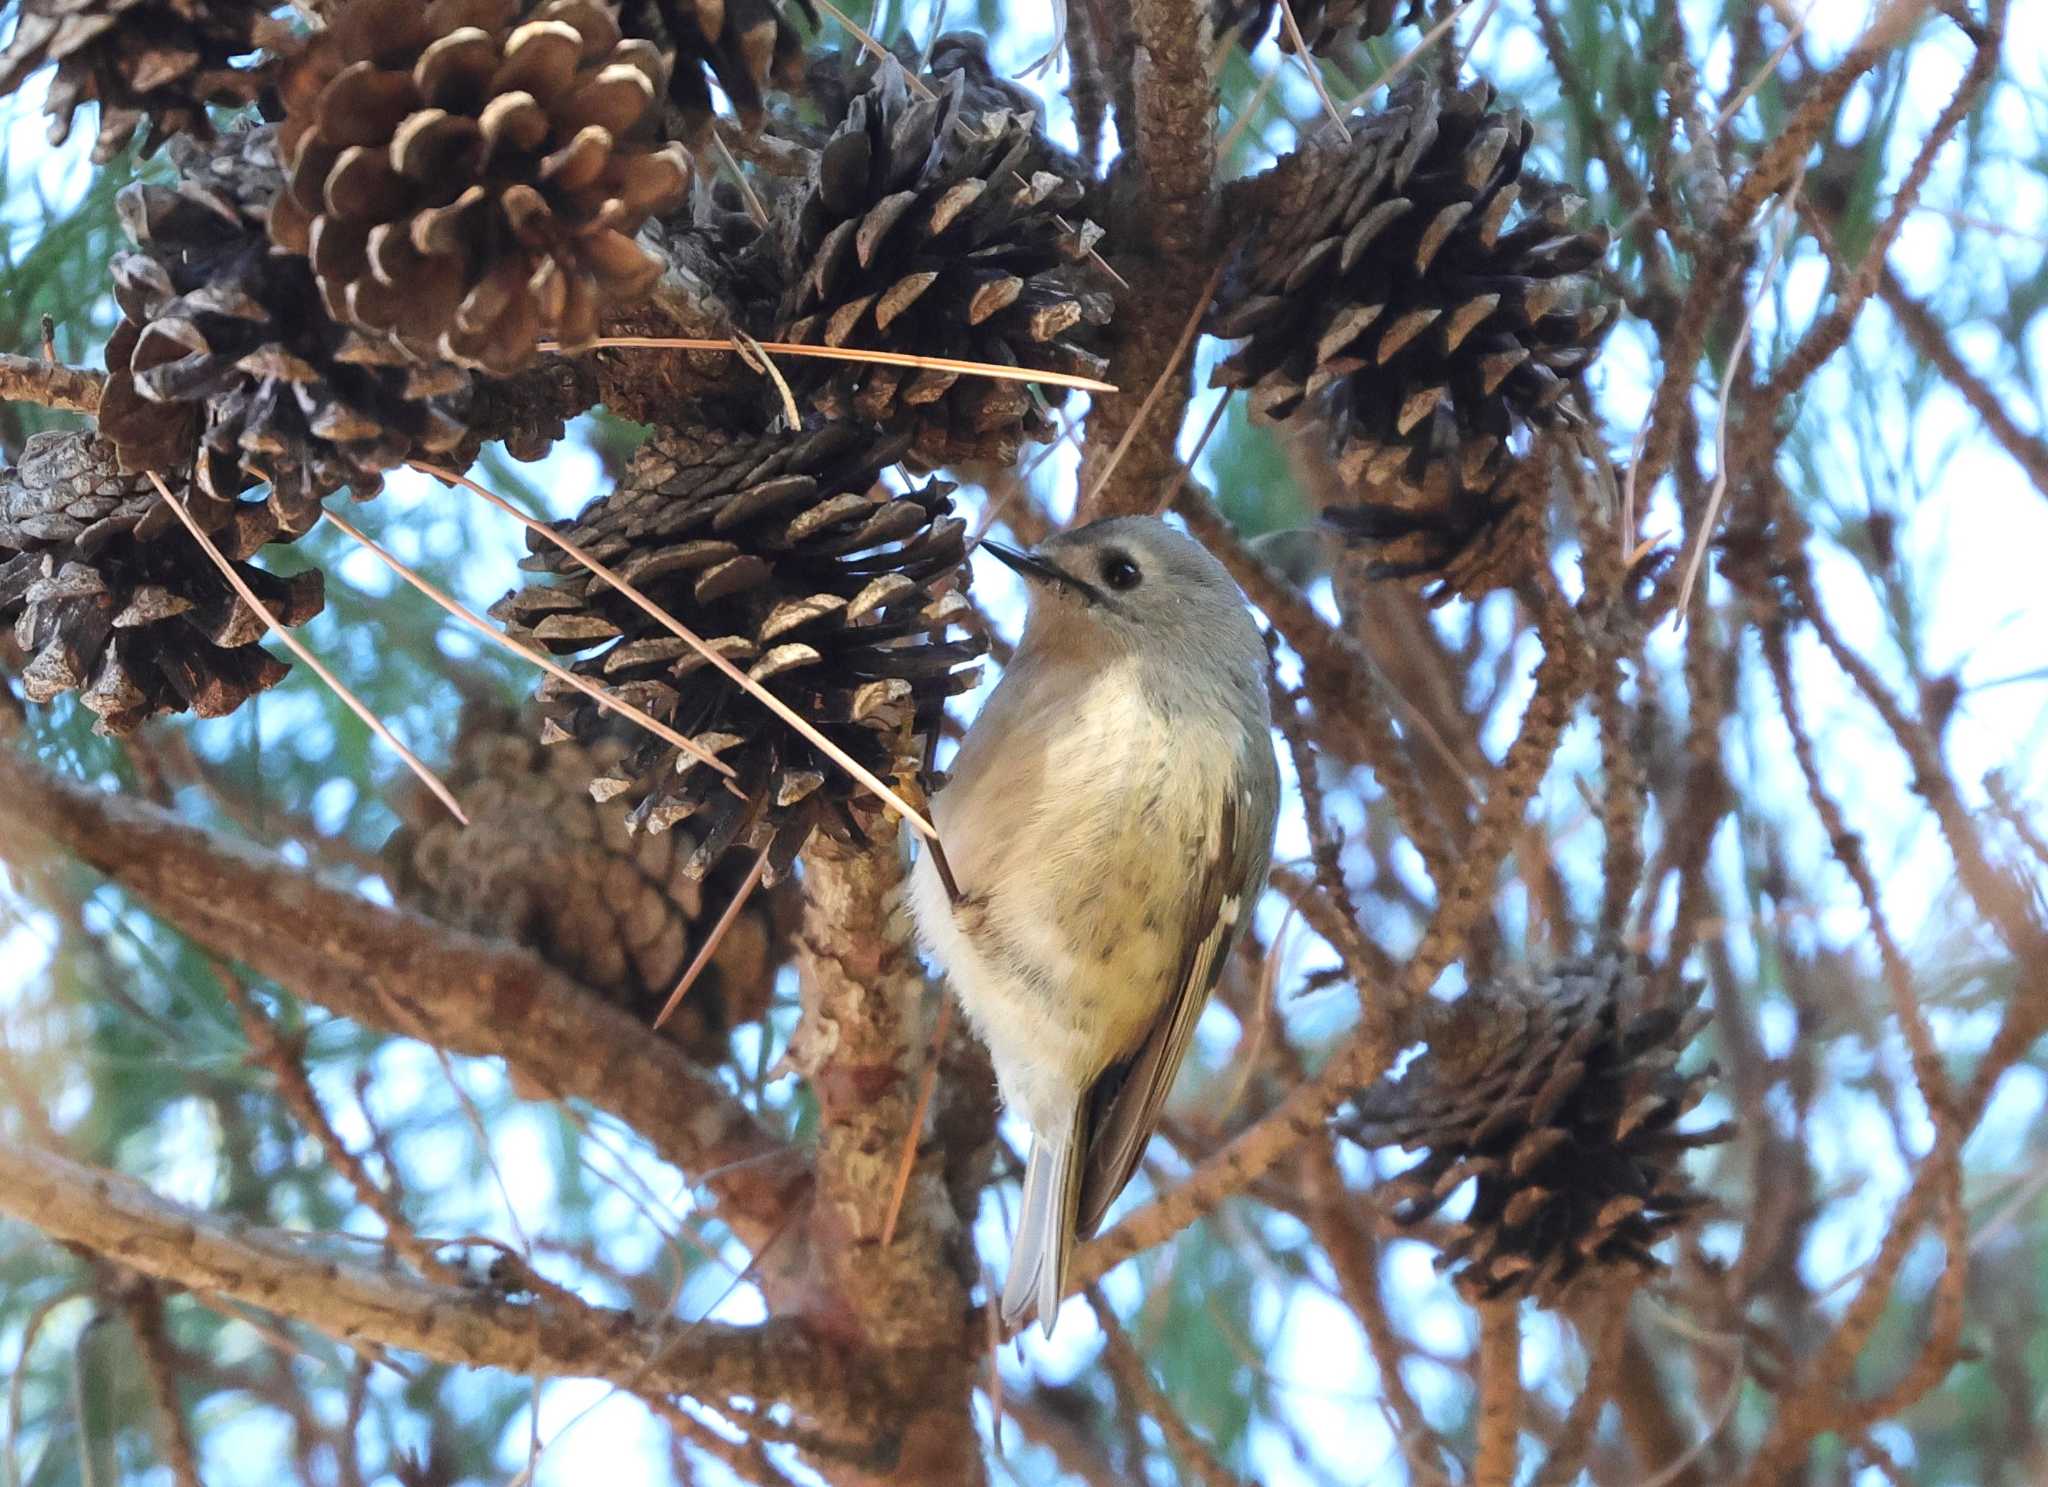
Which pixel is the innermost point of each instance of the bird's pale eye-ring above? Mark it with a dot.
(1119, 572)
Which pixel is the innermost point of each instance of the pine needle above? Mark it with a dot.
(1315, 73)
(1187, 465)
(994, 371)
(911, 1137)
(716, 938)
(1247, 113)
(676, 628)
(1407, 59)
(293, 644)
(753, 351)
(545, 662)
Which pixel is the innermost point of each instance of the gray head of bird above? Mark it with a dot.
(1132, 583)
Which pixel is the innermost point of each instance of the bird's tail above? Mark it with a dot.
(1045, 1231)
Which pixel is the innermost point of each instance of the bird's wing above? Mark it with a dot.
(1121, 1108)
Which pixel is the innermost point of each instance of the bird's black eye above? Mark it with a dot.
(1119, 572)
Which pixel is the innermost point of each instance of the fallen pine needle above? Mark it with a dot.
(1315, 73)
(994, 371)
(716, 938)
(940, 1027)
(292, 643)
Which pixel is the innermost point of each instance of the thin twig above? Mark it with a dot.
(292, 643)
(1719, 490)
(1121, 1358)
(50, 384)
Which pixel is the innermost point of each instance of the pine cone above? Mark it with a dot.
(545, 866)
(919, 234)
(780, 550)
(467, 175)
(139, 624)
(1562, 1098)
(1323, 23)
(1389, 292)
(745, 46)
(154, 62)
(224, 362)
(1455, 540)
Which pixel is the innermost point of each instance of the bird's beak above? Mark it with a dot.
(1034, 569)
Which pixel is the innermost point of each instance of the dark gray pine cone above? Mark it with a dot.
(781, 550)
(925, 230)
(224, 362)
(1561, 1096)
(545, 866)
(1323, 23)
(468, 176)
(1419, 291)
(745, 46)
(137, 624)
(835, 80)
(157, 63)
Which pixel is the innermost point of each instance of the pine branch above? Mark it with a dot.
(401, 973)
(1159, 243)
(30, 379)
(554, 1336)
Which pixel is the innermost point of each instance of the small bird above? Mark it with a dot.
(1108, 825)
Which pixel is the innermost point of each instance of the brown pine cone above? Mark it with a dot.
(467, 176)
(745, 46)
(921, 232)
(545, 866)
(1561, 1096)
(224, 362)
(157, 63)
(1420, 292)
(138, 624)
(780, 550)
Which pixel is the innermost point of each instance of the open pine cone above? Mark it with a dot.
(925, 230)
(153, 62)
(1419, 291)
(780, 550)
(224, 362)
(1323, 23)
(745, 46)
(545, 866)
(1562, 1097)
(467, 176)
(139, 621)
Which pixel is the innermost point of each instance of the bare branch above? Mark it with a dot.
(1134, 1380)
(1500, 1393)
(31, 379)
(397, 971)
(118, 1217)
